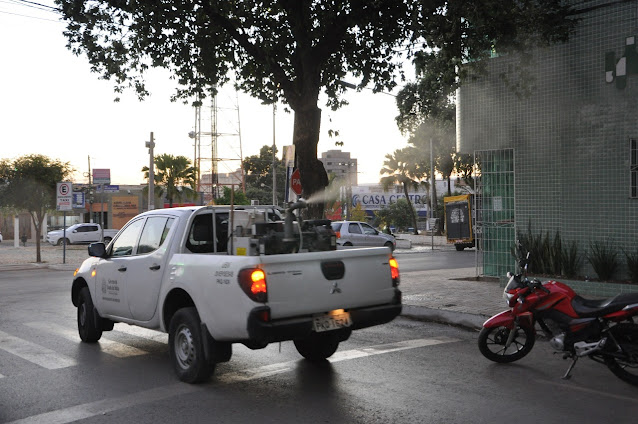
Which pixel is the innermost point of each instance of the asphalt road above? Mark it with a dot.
(403, 372)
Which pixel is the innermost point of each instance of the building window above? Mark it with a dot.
(633, 168)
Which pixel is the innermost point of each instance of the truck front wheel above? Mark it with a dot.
(186, 347)
(318, 346)
(89, 323)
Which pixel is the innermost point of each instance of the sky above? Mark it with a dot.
(52, 104)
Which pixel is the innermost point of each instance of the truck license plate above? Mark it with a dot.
(332, 321)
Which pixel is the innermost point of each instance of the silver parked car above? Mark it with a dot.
(360, 234)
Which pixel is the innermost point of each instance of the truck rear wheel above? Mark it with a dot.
(186, 347)
(318, 346)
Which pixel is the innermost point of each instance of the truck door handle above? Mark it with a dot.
(154, 267)
(122, 269)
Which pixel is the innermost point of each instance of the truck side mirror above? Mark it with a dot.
(97, 250)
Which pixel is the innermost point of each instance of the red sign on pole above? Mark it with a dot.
(295, 182)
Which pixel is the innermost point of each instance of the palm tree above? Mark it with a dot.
(174, 177)
(404, 167)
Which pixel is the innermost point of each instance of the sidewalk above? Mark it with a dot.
(452, 296)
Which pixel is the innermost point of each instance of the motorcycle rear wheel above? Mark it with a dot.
(626, 367)
(492, 341)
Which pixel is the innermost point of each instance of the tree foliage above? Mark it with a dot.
(459, 37)
(29, 183)
(291, 50)
(174, 177)
(258, 175)
(397, 214)
(229, 196)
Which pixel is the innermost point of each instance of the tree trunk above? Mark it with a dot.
(37, 223)
(413, 215)
(314, 178)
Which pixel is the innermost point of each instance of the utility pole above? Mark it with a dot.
(151, 174)
(90, 193)
(274, 164)
(432, 182)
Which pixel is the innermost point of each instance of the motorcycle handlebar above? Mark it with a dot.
(536, 284)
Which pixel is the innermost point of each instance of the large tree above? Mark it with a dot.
(404, 167)
(29, 183)
(277, 50)
(174, 177)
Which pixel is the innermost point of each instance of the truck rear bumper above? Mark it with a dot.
(264, 332)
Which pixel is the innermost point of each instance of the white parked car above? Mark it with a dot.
(80, 233)
(0, 237)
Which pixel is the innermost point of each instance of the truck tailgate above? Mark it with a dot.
(302, 284)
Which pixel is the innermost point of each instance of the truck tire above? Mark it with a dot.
(107, 240)
(89, 322)
(318, 346)
(459, 247)
(64, 241)
(186, 347)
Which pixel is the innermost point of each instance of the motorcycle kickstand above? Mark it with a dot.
(568, 374)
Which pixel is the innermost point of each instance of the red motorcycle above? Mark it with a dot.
(603, 330)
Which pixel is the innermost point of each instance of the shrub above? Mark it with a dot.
(632, 265)
(546, 254)
(571, 259)
(603, 258)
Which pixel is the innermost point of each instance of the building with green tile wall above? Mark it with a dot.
(562, 158)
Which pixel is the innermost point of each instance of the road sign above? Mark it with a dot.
(64, 197)
(101, 176)
(78, 200)
(111, 188)
(295, 182)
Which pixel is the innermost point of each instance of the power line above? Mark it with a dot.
(29, 16)
(36, 5)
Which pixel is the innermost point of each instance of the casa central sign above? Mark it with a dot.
(378, 200)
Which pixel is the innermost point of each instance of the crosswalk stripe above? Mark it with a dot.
(34, 353)
(110, 347)
(105, 406)
(273, 369)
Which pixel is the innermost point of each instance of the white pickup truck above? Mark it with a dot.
(213, 276)
(80, 233)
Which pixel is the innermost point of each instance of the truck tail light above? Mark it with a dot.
(253, 283)
(394, 271)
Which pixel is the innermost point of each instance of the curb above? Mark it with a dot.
(32, 266)
(461, 319)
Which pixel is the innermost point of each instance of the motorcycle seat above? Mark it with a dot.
(588, 308)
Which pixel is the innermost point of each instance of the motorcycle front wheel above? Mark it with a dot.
(622, 358)
(492, 343)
